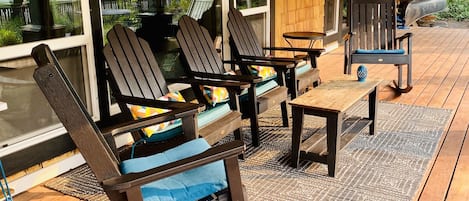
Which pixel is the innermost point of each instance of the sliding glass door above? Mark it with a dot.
(24, 24)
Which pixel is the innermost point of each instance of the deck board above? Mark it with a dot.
(441, 79)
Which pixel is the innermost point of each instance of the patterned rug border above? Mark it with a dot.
(267, 166)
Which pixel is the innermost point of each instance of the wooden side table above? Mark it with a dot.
(304, 35)
(331, 100)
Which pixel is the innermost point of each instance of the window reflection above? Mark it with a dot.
(24, 21)
(243, 4)
(156, 22)
(28, 112)
(258, 24)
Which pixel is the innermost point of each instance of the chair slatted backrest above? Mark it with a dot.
(133, 65)
(242, 35)
(73, 114)
(197, 46)
(373, 24)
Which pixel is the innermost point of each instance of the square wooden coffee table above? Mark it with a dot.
(331, 100)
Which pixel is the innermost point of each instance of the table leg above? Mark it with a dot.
(297, 117)
(334, 129)
(373, 109)
(291, 45)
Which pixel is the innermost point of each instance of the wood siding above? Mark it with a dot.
(297, 15)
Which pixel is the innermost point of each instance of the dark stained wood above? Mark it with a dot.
(97, 152)
(429, 43)
(367, 21)
(351, 127)
(135, 78)
(330, 100)
(203, 62)
(245, 46)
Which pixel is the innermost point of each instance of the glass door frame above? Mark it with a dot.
(85, 41)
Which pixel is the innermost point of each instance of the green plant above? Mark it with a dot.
(178, 8)
(10, 32)
(457, 10)
(8, 37)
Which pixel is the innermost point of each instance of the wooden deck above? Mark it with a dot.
(441, 80)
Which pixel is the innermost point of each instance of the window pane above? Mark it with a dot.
(258, 24)
(156, 22)
(243, 4)
(23, 21)
(28, 112)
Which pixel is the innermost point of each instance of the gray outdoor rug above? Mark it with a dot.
(387, 166)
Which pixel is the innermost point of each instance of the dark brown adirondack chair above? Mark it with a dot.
(245, 46)
(203, 62)
(372, 38)
(113, 174)
(135, 78)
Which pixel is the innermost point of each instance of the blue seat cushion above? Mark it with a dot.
(189, 185)
(362, 51)
(261, 88)
(203, 119)
(302, 69)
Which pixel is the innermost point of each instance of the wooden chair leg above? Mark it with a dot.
(398, 87)
(239, 136)
(283, 106)
(234, 179)
(253, 116)
(293, 84)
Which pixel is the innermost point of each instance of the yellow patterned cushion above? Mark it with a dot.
(140, 112)
(215, 95)
(265, 72)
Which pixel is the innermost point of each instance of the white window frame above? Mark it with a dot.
(336, 19)
(246, 12)
(265, 10)
(85, 41)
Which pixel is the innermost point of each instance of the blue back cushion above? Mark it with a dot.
(396, 51)
(189, 185)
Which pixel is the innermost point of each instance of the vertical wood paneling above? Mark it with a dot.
(297, 15)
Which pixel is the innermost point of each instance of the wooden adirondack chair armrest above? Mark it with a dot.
(280, 66)
(162, 104)
(231, 85)
(347, 36)
(311, 51)
(266, 58)
(126, 182)
(250, 79)
(133, 125)
(401, 39)
(406, 35)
